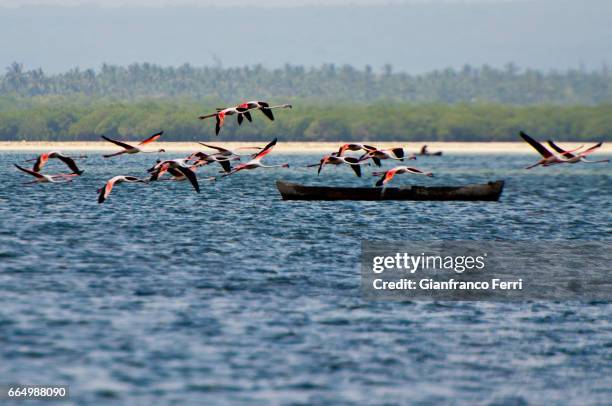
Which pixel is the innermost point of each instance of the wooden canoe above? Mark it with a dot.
(475, 192)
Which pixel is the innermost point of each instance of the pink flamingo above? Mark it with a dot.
(388, 175)
(40, 178)
(42, 160)
(256, 162)
(105, 191)
(580, 157)
(130, 149)
(354, 163)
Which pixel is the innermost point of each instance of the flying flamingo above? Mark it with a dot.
(179, 176)
(106, 190)
(178, 164)
(42, 160)
(129, 149)
(262, 106)
(388, 175)
(548, 158)
(229, 152)
(393, 153)
(354, 147)
(354, 163)
(256, 162)
(202, 159)
(580, 157)
(40, 178)
(221, 114)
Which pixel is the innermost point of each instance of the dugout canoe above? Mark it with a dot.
(490, 191)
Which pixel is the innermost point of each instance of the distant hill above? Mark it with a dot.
(539, 34)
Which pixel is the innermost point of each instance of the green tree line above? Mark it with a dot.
(347, 84)
(62, 119)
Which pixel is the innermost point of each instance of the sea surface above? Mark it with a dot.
(233, 296)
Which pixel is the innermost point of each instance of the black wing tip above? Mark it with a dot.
(227, 167)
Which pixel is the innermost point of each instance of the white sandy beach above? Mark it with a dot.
(294, 147)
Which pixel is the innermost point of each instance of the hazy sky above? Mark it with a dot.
(226, 3)
(414, 37)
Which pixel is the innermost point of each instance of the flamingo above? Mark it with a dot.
(256, 161)
(178, 164)
(388, 175)
(354, 163)
(40, 178)
(572, 159)
(262, 106)
(42, 160)
(129, 149)
(202, 159)
(394, 153)
(548, 158)
(354, 147)
(221, 114)
(179, 176)
(229, 152)
(105, 191)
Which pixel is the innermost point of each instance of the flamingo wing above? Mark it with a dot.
(214, 147)
(225, 164)
(189, 174)
(414, 170)
(381, 181)
(175, 172)
(152, 138)
(266, 111)
(398, 152)
(536, 145)
(71, 164)
(30, 172)
(236, 169)
(321, 165)
(266, 150)
(106, 190)
(387, 176)
(219, 123)
(591, 150)
(40, 162)
(121, 144)
(560, 150)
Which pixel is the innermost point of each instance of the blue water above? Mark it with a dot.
(163, 296)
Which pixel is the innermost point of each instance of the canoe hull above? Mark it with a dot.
(477, 192)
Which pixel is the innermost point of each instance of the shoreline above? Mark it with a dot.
(517, 147)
